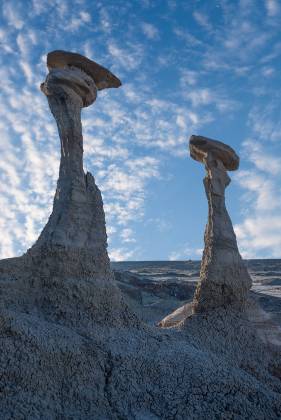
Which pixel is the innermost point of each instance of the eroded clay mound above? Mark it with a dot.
(70, 348)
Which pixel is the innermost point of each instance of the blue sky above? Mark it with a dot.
(187, 67)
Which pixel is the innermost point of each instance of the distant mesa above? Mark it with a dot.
(102, 77)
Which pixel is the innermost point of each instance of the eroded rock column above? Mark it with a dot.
(224, 279)
(77, 220)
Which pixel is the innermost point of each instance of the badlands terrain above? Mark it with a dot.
(154, 289)
(81, 342)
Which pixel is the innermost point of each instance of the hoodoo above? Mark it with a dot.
(77, 221)
(224, 279)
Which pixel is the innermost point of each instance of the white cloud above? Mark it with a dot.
(265, 121)
(11, 11)
(161, 224)
(27, 71)
(129, 57)
(238, 45)
(262, 159)
(81, 19)
(259, 236)
(272, 7)
(259, 232)
(188, 77)
(105, 21)
(127, 235)
(202, 20)
(28, 166)
(124, 187)
(262, 193)
(185, 252)
(121, 254)
(205, 96)
(150, 31)
(187, 37)
(268, 71)
(25, 42)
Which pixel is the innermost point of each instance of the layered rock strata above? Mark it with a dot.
(224, 279)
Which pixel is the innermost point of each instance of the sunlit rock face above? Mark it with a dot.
(224, 279)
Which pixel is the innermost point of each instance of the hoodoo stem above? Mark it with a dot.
(224, 279)
(77, 220)
(67, 114)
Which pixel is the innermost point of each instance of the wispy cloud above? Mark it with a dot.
(260, 237)
(265, 120)
(202, 20)
(150, 31)
(255, 153)
(124, 188)
(205, 96)
(259, 233)
(127, 235)
(121, 254)
(81, 19)
(185, 252)
(12, 13)
(128, 57)
(272, 7)
(185, 69)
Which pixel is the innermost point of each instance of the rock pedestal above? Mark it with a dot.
(224, 279)
(77, 220)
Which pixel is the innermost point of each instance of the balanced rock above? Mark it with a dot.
(224, 279)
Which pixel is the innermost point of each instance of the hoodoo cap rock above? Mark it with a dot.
(102, 77)
(200, 147)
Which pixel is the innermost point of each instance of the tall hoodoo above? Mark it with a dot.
(224, 279)
(77, 220)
